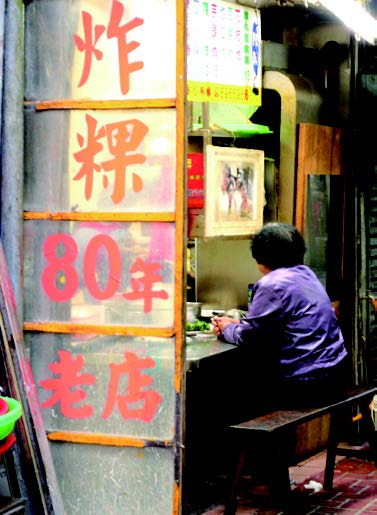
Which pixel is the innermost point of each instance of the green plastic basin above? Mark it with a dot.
(8, 420)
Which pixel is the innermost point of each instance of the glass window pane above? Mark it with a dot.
(323, 230)
(122, 160)
(105, 384)
(115, 480)
(78, 50)
(104, 273)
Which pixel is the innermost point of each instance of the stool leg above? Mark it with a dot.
(279, 470)
(232, 502)
(332, 444)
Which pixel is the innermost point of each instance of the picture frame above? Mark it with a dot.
(234, 191)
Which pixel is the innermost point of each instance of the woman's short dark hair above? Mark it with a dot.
(278, 245)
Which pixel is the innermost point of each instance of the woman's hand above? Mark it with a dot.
(219, 324)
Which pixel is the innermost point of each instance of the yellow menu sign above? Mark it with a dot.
(223, 52)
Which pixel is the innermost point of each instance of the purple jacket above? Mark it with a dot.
(291, 312)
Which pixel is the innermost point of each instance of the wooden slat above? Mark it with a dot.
(114, 216)
(180, 243)
(45, 105)
(103, 439)
(66, 327)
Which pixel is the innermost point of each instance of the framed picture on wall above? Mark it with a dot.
(234, 191)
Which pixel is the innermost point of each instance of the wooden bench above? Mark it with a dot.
(271, 430)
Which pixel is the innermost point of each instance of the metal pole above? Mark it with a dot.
(13, 147)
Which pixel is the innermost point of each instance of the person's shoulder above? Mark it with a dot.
(274, 278)
(285, 275)
(306, 271)
(302, 270)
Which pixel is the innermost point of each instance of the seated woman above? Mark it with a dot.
(295, 348)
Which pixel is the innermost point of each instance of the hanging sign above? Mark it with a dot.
(223, 53)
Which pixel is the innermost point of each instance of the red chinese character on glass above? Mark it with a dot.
(136, 402)
(87, 154)
(116, 30)
(123, 139)
(88, 44)
(142, 286)
(65, 386)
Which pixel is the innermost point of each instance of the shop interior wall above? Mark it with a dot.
(315, 64)
(224, 269)
(310, 70)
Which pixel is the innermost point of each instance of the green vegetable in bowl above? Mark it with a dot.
(198, 325)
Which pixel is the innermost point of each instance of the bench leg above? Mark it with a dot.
(274, 469)
(332, 444)
(279, 480)
(232, 502)
(279, 469)
(333, 440)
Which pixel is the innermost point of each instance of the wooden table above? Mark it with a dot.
(213, 395)
(202, 350)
